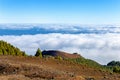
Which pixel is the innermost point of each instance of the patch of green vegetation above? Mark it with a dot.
(114, 63)
(92, 64)
(115, 66)
(8, 49)
(84, 61)
(116, 69)
(59, 58)
(38, 53)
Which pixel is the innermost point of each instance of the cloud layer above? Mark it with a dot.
(100, 47)
(21, 29)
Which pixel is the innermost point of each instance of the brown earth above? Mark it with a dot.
(61, 54)
(32, 68)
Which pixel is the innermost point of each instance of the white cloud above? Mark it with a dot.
(66, 28)
(100, 47)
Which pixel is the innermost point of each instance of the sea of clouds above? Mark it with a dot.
(100, 47)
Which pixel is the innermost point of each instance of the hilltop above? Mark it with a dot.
(62, 54)
(53, 65)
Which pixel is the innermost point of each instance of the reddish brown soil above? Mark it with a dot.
(32, 68)
(67, 55)
(61, 54)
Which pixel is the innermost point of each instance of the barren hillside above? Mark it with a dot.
(62, 54)
(32, 68)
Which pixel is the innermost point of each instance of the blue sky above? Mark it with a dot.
(60, 11)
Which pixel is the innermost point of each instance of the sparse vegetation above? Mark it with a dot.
(84, 61)
(115, 66)
(49, 69)
(53, 65)
(116, 69)
(59, 58)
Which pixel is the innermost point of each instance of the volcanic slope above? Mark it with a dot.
(35, 68)
(57, 65)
